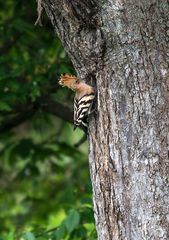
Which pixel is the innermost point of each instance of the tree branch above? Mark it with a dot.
(44, 103)
(39, 10)
(21, 117)
(56, 108)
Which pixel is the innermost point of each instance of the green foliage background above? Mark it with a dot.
(45, 189)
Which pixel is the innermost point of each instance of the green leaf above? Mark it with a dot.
(72, 220)
(9, 236)
(21, 25)
(60, 232)
(29, 236)
(23, 148)
(4, 106)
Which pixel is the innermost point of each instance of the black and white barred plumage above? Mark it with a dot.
(82, 109)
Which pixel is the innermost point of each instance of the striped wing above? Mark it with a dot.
(82, 109)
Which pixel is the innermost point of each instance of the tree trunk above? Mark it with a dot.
(121, 47)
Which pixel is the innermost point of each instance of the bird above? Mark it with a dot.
(83, 100)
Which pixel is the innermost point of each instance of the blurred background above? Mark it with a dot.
(45, 189)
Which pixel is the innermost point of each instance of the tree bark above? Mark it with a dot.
(122, 48)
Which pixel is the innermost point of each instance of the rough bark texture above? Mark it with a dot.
(122, 47)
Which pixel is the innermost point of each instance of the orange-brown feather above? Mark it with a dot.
(69, 81)
(72, 82)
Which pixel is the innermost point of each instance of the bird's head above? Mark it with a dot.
(69, 81)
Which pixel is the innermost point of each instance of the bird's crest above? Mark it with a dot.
(67, 80)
